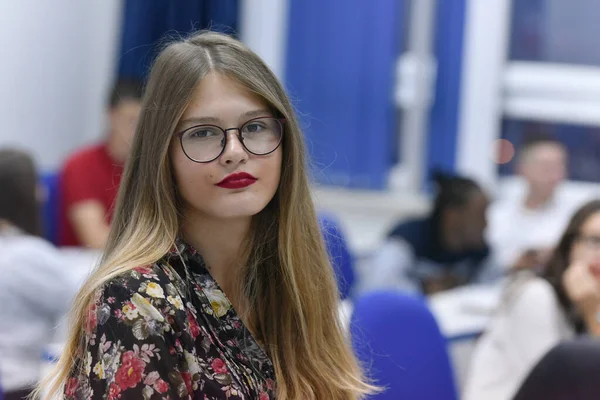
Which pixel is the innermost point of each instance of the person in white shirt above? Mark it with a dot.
(32, 287)
(539, 312)
(523, 230)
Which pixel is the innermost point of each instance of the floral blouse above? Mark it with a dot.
(153, 334)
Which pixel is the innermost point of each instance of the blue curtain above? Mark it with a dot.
(147, 22)
(340, 73)
(443, 129)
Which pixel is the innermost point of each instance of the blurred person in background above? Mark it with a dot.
(523, 231)
(90, 178)
(539, 311)
(215, 282)
(32, 294)
(441, 251)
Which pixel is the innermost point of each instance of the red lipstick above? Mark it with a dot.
(237, 180)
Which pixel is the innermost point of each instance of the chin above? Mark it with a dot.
(238, 214)
(233, 211)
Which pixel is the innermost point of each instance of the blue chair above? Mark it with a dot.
(398, 342)
(339, 253)
(50, 210)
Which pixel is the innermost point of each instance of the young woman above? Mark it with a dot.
(215, 283)
(32, 286)
(539, 312)
(441, 251)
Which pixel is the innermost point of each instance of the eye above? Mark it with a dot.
(203, 133)
(255, 127)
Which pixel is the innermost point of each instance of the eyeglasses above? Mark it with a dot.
(206, 143)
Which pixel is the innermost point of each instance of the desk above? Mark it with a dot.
(463, 315)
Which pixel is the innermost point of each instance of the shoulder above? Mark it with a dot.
(135, 334)
(83, 157)
(532, 296)
(142, 302)
(503, 208)
(393, 249)
(538, 290)
(152, 284)
(30, 249)
(411, 230)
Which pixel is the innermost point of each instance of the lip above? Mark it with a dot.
(237, 180)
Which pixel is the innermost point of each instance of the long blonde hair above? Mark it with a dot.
(288, 281)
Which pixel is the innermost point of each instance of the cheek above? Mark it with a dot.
(578, 253)
(190, 177)
(273, 170)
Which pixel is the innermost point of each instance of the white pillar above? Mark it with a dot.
(263, 28)
(414, 92)
(487, 27)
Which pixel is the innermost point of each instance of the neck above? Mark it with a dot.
(220, 242)
(535, 200)
(113, 149)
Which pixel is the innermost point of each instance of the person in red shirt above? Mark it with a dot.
(90, 178)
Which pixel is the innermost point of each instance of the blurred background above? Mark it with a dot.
(388, 92)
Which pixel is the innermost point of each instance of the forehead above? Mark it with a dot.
(478, 200)
(546, 151)
(220, 97)
(592, 224)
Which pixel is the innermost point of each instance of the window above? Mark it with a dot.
(551, 83)
(582, 142)
(556, 31)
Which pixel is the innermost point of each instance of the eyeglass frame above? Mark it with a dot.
(280, 121)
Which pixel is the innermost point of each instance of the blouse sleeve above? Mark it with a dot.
(132, 348)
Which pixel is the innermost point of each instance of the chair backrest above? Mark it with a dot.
(398, 341)
(339, 253)
(50, 211)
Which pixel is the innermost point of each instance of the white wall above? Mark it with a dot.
(58, 58)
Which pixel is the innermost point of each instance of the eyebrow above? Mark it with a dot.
(192, 121)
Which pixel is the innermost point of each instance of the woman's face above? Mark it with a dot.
(209, 189)
(586, 247)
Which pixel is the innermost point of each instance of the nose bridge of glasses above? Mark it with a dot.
(237, 134)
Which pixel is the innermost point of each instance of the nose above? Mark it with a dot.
(234, 152)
